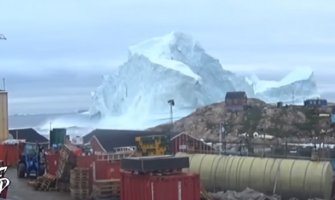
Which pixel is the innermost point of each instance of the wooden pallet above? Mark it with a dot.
(106, 188)
(63, 170)
(79, 178)
(80, 194)
(44, 183)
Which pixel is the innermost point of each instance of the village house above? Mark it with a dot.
(236, 101)
(315, 103)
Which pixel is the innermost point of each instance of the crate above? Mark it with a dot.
(79, 178)
(63, 170)
(106, 188)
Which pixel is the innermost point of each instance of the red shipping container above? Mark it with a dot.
(180, 186)
(107, 170)
(52, 162)
(85, 161)
(10, 154)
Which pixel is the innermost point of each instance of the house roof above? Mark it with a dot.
(110, 139)
(184, 133)
(235, 95)
(28, 134)
(194, 138)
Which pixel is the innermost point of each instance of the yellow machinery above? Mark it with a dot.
(153, 145)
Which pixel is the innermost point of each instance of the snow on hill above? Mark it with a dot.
(176, 67)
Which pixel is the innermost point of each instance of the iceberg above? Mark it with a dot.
(175, 66)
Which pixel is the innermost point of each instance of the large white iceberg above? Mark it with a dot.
(175, 67)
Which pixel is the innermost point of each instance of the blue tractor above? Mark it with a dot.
(32, 161)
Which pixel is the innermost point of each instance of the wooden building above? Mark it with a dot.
(28, 135)
(112, 141)
(184, 142)
(236, 101)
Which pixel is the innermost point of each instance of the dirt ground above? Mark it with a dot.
(20, 190)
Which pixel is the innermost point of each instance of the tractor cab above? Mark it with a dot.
(32, 163)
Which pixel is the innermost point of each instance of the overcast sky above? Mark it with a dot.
(265, 37)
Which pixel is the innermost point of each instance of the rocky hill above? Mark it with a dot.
(287, 121)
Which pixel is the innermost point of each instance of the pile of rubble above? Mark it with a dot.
(247, 194)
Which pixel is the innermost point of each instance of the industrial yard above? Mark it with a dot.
(20, 190)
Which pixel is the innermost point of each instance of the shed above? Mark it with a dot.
(315, 103)
(236, 101)
(107, 140)
(29, 135)
(184, 142)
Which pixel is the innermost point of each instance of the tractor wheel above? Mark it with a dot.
(21, 170)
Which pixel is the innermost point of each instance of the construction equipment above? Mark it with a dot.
(32, 162)
(152, 145)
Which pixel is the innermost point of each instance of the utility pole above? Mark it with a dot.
(171, 102)
(222, 130)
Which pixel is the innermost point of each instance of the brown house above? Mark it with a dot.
(236, 101)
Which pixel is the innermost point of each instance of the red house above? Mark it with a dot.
(112, 141)
(236, 101)
(184, 142)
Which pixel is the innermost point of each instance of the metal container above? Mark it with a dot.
(10, 154)
(105, 169)
(57, 137)
(180, 186)
(85, 161)
(3, 115)
(289, 178)
(51, 162)
(154, 163)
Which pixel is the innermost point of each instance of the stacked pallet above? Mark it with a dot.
(44, 183)
(67, 161)
(79, 184)
(106, 189)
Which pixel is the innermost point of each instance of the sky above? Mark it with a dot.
(57, 51)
